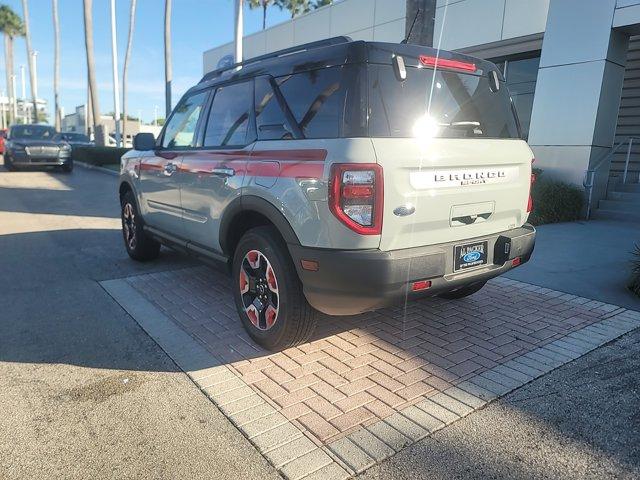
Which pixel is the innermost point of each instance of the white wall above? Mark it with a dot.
(469, 23)
(373, 20)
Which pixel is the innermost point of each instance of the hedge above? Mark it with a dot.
(554, 201)
(99, 155)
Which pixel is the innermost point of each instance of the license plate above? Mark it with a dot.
(470, 255)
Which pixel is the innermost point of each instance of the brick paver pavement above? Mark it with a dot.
(362, 369)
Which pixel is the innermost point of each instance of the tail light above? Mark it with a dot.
(356, 196)
(532, 181)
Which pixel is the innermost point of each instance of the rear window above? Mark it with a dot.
(455, 105)
(326, 103)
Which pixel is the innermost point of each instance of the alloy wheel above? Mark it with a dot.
(129, 226)
(259, 290)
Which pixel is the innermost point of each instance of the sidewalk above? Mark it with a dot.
(590, 259)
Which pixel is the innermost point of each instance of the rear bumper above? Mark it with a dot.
(349, 282)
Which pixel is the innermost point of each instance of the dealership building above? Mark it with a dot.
(572, 67)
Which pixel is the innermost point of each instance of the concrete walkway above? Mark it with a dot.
(589, 259)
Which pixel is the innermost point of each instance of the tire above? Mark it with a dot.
(463, 292)
(8, 164)
(139, 245)
(263, 276)
(68, 167)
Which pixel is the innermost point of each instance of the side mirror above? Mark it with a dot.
(144, 142)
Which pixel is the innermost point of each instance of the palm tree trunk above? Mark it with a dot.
(30, 59)
(9, 71)
(264, 15)
(127, 56)
(168, 70)
(56, 64)
(91, 67)
(14, 98)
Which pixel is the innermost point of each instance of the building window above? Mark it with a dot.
(521, 74)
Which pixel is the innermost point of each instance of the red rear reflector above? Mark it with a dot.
(358, 191)
(448, 64)
(516, 261)
(310, 265)
(421, 285)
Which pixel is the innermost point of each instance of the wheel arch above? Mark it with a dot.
(124, 188)
(248, 212)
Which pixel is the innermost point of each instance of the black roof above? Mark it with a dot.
(332, 52)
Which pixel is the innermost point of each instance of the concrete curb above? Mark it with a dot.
(295, 455)
(95, 167)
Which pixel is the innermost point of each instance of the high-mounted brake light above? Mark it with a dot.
(356, 196)
(428, 61)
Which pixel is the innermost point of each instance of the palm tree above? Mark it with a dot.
(295, 7)
(168, 71)
(11, 26)
(30, 59)
(264, 4)
(56, 64)
(127, 57)
(91, 67)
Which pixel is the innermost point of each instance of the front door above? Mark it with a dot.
(159, 169)
(211, 176)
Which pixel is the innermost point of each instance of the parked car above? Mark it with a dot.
(36, 145)
(338, 177)
(3, 135)
(76, 139)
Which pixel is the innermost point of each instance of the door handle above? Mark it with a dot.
(170, 168)
(224, 172)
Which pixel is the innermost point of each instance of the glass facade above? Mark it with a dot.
(521, 75)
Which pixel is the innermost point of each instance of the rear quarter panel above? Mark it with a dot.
(293, 175)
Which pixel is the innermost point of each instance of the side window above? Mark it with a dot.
(230, 116)
(271, 122)
(181, 129)
(317, 101)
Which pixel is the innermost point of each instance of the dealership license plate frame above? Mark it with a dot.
(458, 256)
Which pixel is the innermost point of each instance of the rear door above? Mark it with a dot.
(211, 176)
(454, 165)
(159, 169)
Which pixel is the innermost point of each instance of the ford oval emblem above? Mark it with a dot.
(471, 257)
(404, 210)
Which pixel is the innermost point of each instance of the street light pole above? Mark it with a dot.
(238, 30)
(14, 103)
(23, 95)
(116, 85)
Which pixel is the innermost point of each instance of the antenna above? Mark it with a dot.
(406, 40)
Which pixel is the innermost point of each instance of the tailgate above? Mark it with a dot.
(453, 190)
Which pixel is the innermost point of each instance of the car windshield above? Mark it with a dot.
(32, 132)
(446, 104)
(75, 137)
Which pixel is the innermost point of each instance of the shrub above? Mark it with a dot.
(554, 201)
(634, 285)
(99, 155)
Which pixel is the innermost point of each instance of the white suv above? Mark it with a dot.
(337, 176)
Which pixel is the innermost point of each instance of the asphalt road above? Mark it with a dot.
(84, 392)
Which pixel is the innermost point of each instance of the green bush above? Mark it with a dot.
(554, 201)
(99, 155)
(634, 285)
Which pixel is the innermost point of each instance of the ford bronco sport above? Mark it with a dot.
(338, 176)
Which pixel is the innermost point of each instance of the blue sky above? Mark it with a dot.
(198, 25)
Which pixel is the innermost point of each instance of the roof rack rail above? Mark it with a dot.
(280, 53)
